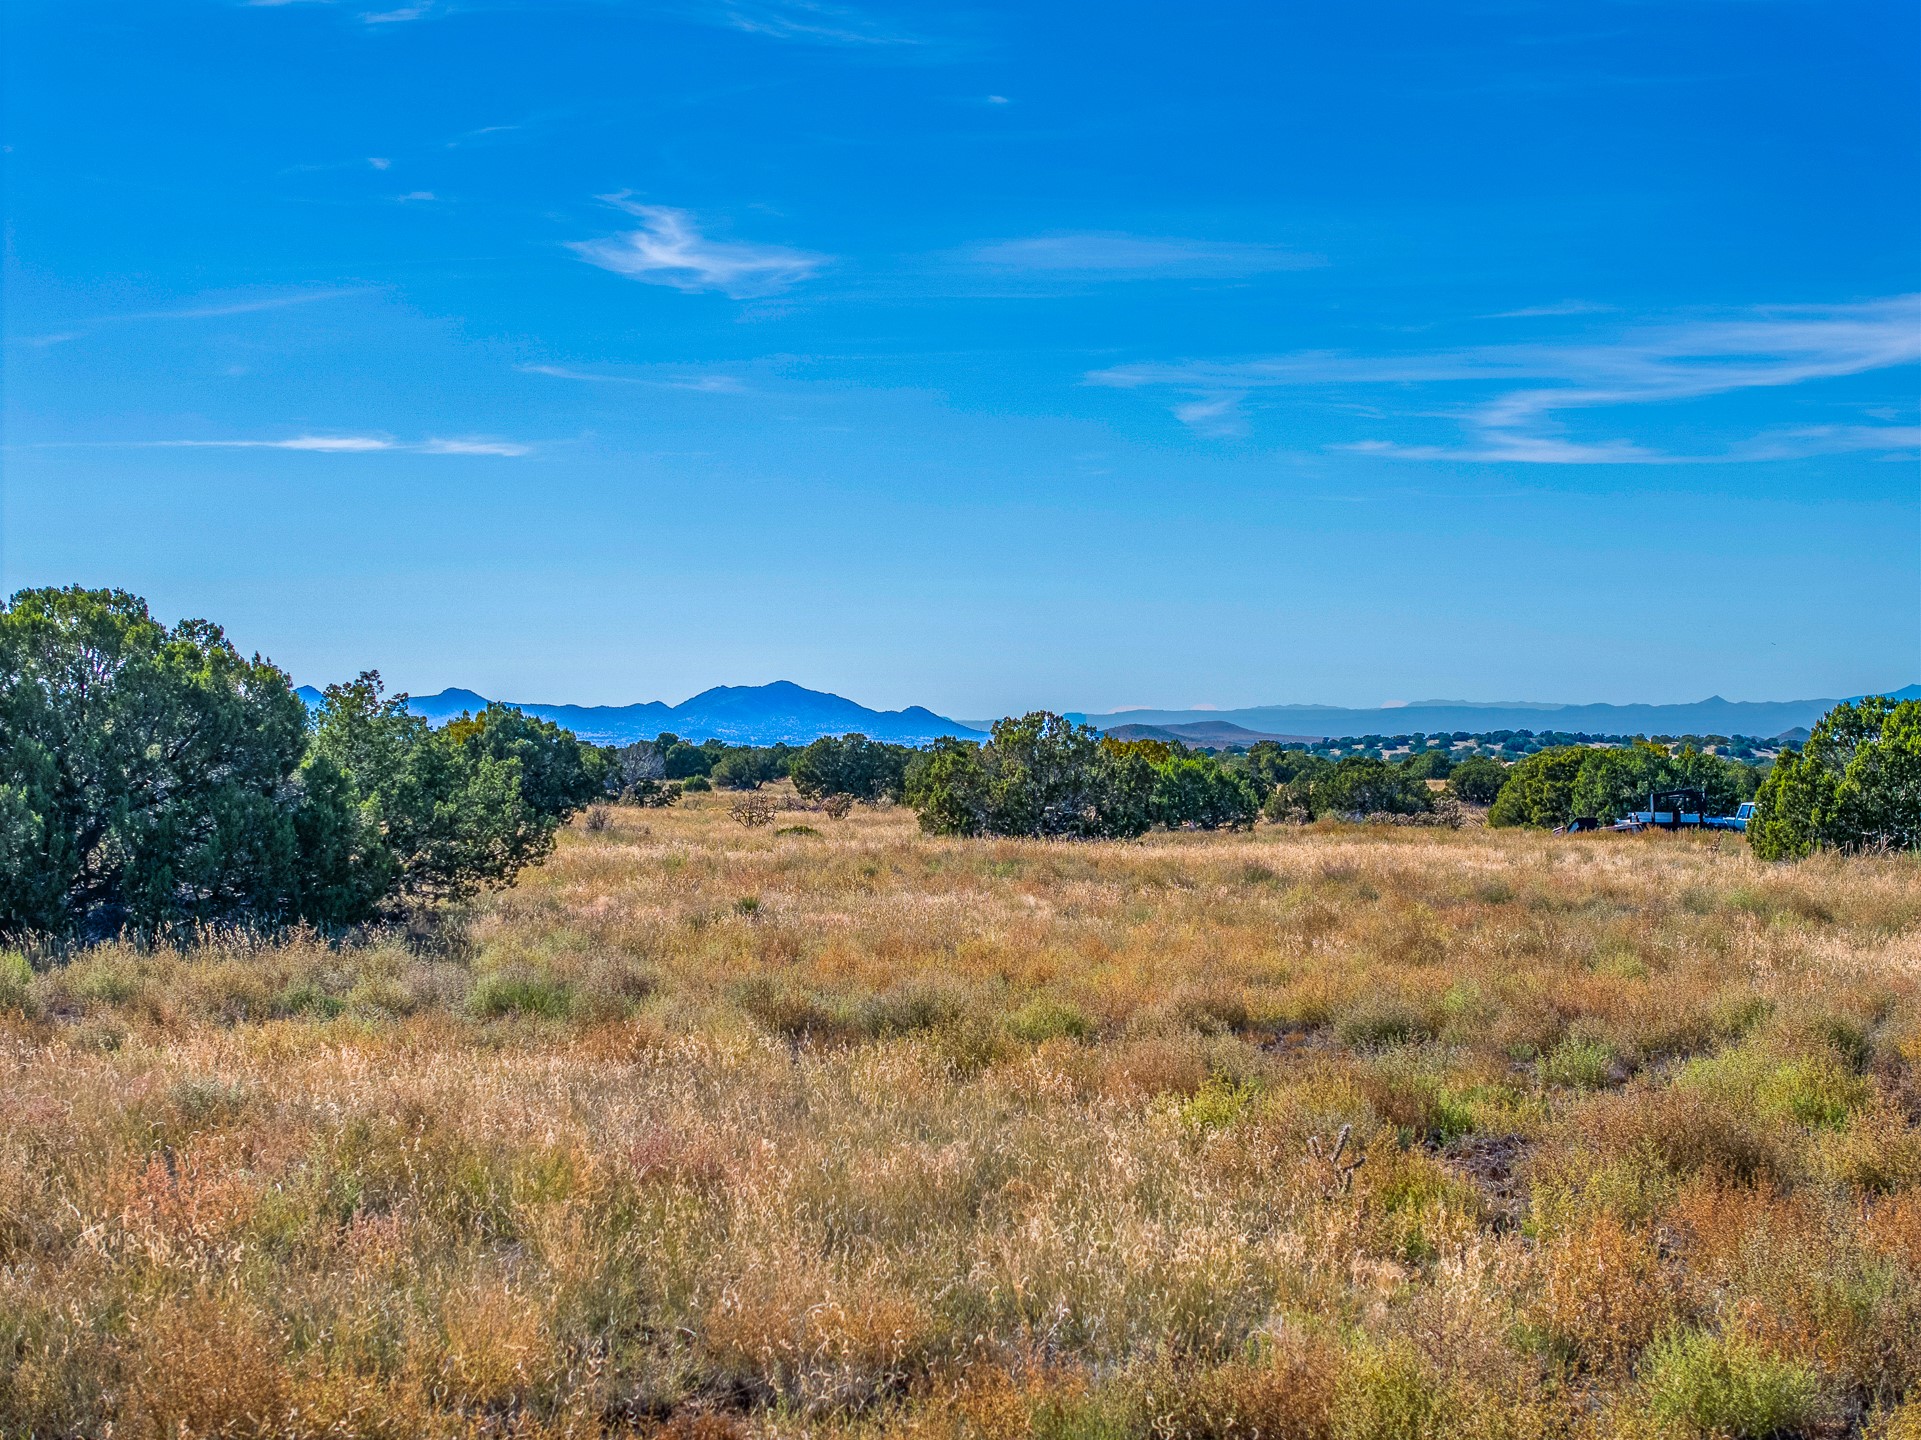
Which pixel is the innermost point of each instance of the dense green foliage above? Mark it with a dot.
(1357, 786)
(850, 765)
(1042, 775)
(445, 812)
(1477, 780)
(1540, 789)
(681, 760)
(153, 777)
(1556, 785)
(748, 767)
(1856, 785)
(1428, 764)
(146, 774)
(1303, 786)
(1198, 792)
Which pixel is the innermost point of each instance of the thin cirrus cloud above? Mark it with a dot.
(399, 15)
(715, 384)
(211, 310)
(344, 445)
(804, 21)
(1115, 256)
(669, 249)
(811, 22)
(1537, 385)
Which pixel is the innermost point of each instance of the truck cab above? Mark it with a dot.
(1737, 821)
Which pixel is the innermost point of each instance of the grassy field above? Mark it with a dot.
(714, 1132)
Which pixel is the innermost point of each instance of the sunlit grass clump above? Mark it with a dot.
(830, 1128)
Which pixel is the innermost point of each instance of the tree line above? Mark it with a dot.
(152, 777)
(1854, 786)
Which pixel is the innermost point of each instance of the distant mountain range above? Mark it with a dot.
(1713, 716)
(784, 711)
(738, 714)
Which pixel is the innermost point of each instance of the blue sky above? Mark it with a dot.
(980, 356)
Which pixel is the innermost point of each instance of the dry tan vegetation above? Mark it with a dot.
(709, 1130)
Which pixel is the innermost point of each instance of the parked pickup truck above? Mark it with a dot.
(1669, 810)
(1737, 821)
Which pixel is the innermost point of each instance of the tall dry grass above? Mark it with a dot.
(714, 1131)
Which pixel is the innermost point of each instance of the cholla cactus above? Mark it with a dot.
(753, 811)
(1338, 1165)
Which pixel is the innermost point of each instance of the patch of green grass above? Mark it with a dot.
(1576, 1064)
(305, 997)
(1218, 1103)
(15, 976)
(1726, 1385)
(1380, 1020)
(1816, 1093)
(521, 992)
(1385, 1395)
(1045, 1018)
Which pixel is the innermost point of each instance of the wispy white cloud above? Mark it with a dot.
(813, 22)
(1693, 359)
(806, 21)
(507, 448)
(220, 309)
(705, 384)
(1220, 416)
(669, 249)
(1111, 255)
(209, 310)
(1562, 307)
(398, 15)
(1795, 444)
(321, 444)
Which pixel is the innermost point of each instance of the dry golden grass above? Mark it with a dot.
(710, 1131)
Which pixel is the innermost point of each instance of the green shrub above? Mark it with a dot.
(1220, 1102)
(522, 992)
(1385, 1395)
(1579, 1064)
(1041, 775)
(850, 765)
(1817, 1093)
(306, 997)
(1856, 785)
(15, 976)
(1726, 1385)
(1478, 780)
(1540, 789)
(1382, 1019)
(1044, 1018)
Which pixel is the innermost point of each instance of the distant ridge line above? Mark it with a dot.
(1713, 716)
(783, 712)
(779, 713)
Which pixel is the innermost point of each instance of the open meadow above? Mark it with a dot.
(827, 1127)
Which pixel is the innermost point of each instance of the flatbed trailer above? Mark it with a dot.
(1684, 809)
